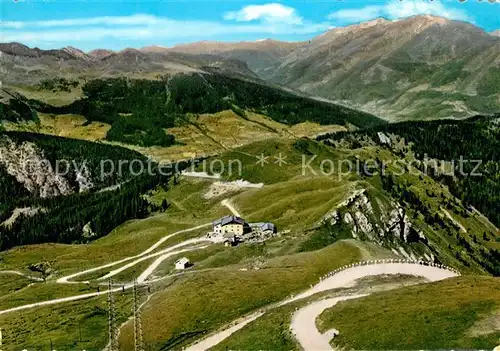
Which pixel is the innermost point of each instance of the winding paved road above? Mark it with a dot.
(304, 324)
(165, 253)
(304, 320)
(301, 323)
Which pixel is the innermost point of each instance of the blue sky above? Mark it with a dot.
(118, 24)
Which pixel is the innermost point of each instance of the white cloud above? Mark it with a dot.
(272, 12)
(356, 15)
(138, 19)
(11, 24)
(399, 9)
(135, 27)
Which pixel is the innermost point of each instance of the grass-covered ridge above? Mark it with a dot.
(448, 207)
(295, 198)
(452, 314)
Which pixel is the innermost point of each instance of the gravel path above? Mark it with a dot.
(217, 338)
(170, 251)
(66, 279)
(22, 275)
(165, 253)
(152, 267)
(349, 276)
(304, 324)
(230, 207)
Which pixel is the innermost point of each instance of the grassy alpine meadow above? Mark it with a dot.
(457, 313)
(12, 283)
(297, 204)
(272, 161)
(132, 238)
(72, 126)
(79, 325)
(56, 98)
(43, 291)
(199, 304)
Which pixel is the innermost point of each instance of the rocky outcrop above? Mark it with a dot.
(87, 231)
(398, 224)
(18, 212)
(84, 179)
(388, 225)
(26, 162)
(45, 268)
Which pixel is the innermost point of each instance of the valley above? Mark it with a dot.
(335, 193)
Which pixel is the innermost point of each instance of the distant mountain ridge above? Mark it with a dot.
(421, 67)
(259, 55)
(32, 65)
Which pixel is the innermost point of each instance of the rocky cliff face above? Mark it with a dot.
(27, 163)
(387, 225)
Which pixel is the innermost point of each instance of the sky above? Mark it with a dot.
(118, 24)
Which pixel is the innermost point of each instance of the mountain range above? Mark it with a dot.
(421, 67)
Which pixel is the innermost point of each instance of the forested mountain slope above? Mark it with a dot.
(62, 190)
(13, 108)
(139, 110)
(464, 155)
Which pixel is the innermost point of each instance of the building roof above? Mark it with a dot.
(182, 261)
(228, 220)
(263, 226)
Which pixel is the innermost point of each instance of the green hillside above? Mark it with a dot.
(457, 313)
(243, 279)
(140, 110)
(410, 212)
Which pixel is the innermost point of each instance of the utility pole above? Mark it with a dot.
(112, 335)
(138, 340)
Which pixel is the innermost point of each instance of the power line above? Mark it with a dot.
(112, 334)
(138, 337)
